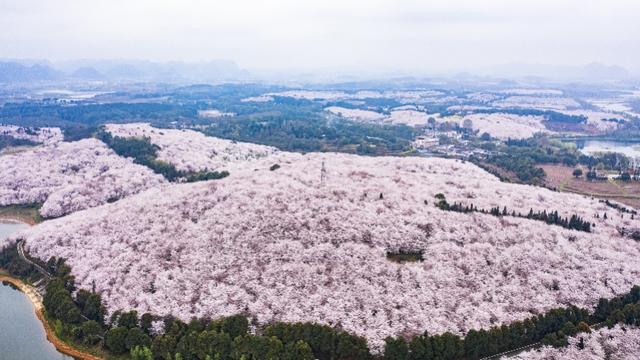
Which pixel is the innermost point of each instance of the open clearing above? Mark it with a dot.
(561, 178)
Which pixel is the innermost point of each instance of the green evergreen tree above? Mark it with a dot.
(141, 353)
(396, 349)
(114, 340)
(298, 350)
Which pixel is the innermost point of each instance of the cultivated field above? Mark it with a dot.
(561, 178)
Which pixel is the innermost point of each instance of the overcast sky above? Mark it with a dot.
(401, 35)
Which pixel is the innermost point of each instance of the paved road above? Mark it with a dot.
(512, 352)
(532, 346)
(42, 270)
(26, 259)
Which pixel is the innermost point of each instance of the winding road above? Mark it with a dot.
(536, 345)
(40, 269)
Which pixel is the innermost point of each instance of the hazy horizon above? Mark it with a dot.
(377, 36)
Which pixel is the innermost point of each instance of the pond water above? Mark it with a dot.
(589, 147)
(22, 336)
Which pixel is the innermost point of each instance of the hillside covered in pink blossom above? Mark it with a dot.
(45, 135)
(190, 150)
(301, 244)
(620, 343)
(69, 176)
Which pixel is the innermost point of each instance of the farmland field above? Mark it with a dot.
(561, 178)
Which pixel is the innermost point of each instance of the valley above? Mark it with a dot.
(375, 216)
(319, 180)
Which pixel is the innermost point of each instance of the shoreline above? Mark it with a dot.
(14, 215)
(17, 220)
(36, 302)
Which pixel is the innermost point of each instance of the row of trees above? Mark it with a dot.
(402, 255)
(228, 338)
(82, 316)
(299, 125)
(620, 207)
(224, 339)
(145, 153)
(605, 160)
(37, 113)
(522, 156)
(609, 309)
(205, 175)
(592, 175)
(287, 123)
(11, 262)
(574, 222)
(551, 328)
(524, 168)
(9, 141)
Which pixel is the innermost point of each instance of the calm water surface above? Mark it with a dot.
(590, 147)
(22, 336)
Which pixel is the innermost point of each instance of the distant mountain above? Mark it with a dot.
(205, 71)
(175, 71)
(16, 72)
(589, 72)
(87, 73)
(21, 70)
(126, 71)
(605, 72)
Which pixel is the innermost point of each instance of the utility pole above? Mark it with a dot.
(323, 173)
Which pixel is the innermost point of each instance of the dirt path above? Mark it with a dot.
(15, 214)
(36, 300)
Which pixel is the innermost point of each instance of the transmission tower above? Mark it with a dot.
(323, 173)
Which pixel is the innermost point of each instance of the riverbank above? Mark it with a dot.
(36, 301)
(16, 213)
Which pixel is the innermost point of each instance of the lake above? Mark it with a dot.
(22, 335)
(589, 147)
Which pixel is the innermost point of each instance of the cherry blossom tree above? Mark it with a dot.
(307, 244)
(70, 176)
(190, 150)
(43, 135)
(616, 343)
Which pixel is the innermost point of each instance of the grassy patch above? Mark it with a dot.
(403, 256)
(26, 213)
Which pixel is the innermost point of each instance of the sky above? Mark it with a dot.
(307, 35)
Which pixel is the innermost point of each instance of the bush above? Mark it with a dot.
(577, 173)
(115, 340)
(145, 153)
(403, 256)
